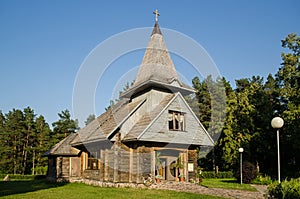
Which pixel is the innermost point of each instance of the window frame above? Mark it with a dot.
(178, 121)
(93, 161)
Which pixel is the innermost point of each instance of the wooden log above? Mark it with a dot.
(130, 164)
(153, 162)
(106, 167)
(116, 165)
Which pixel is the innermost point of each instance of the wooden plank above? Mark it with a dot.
(116, 165)
(130, 164)
(153, 162)
(106, 167)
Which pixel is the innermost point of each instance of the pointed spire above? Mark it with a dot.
(156, 29)
(157, 63)
(157, 67)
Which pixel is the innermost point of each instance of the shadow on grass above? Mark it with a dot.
(24, 186)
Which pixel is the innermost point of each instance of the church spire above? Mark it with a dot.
(157, 68)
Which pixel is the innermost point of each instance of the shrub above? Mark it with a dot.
(40, 170)
(286, 189)
(262, 180)
(249, 172)
(224, 174)
(212, 174)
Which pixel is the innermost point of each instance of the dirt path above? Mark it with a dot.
(227, 193)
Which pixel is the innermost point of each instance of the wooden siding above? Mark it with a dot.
(119, 165)
(159, 130)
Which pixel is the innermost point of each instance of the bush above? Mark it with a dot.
(286, 189)
(40, 170)
(262, 180)
(212, 174)
(249, 172)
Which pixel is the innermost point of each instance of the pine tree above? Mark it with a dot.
(14, 129)
(42, 142)
(63, 127)
(89, 119)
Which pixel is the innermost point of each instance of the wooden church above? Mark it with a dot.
(150, 131)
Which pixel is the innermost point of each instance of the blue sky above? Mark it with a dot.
(44, 42)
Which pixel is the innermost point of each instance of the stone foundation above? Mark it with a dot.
(106, 184)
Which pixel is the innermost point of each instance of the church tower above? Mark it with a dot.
(157, 75)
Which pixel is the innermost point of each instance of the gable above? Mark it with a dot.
(193, 134)
(64, 148)
(146, 119)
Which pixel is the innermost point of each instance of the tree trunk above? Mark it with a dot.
(15, 155)
(25, 146)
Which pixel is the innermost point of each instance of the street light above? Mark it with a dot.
(277, 123)
(241, 150)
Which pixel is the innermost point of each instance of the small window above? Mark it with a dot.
(176, 121)
(93, 162)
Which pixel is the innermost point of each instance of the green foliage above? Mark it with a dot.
(23, 139)
(179, 163)
(90, 119)
(64, 126)
(249, 172)
(212, 174)
(286, 189)
(249, 109)
(262, 180)
(40, 170)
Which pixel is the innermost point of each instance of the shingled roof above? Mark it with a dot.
(64, 148)
(157, 68)
(106, 124)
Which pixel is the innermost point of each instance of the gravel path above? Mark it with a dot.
(227, 193)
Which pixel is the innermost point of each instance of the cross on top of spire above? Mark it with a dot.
(156, 15)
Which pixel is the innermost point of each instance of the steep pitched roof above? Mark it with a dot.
(157, 68)
(64, 147)
(103, 126)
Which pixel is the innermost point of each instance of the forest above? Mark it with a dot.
(243, 120)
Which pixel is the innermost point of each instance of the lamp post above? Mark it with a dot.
(277, 123)
(241, 150)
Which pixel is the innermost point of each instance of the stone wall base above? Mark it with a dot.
(106, 184)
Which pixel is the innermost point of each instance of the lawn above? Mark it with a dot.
(226, 183)
(41, 189)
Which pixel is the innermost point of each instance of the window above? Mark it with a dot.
(176, 121)
(93, 162)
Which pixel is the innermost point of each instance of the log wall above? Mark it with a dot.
(119, 165)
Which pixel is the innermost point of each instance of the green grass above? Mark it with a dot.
(42, 189)
(226, 183)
